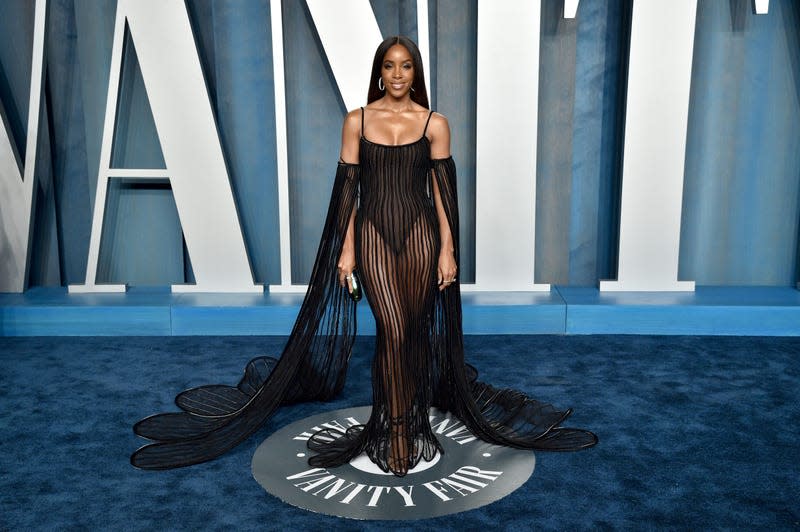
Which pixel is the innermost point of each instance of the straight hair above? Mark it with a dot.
(419, 93)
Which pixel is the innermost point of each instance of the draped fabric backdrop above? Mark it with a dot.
(741, 207)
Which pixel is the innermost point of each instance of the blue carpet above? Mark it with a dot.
(695, 432)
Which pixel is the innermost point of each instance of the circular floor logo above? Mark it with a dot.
(470, 473)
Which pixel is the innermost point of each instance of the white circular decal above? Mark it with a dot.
(470, 473)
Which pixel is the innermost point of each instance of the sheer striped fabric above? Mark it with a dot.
(419, 356)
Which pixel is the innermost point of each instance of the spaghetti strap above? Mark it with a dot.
(362, 121)
(426, 124)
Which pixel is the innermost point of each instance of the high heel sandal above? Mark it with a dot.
(399, 464)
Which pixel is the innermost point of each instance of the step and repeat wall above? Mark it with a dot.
(626, 144)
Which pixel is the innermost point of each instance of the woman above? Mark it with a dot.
(402, 241)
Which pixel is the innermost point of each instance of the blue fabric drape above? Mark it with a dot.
(453, 76)
(742, 189)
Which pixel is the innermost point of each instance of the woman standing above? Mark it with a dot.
(400, 237)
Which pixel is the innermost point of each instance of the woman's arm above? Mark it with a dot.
(351, 133)
(440, 149)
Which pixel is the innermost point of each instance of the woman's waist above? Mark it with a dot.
(411, 202)
(392, 209)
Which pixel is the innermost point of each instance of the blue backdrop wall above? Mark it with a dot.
(742, 177)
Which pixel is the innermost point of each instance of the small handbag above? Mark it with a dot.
(355, 295)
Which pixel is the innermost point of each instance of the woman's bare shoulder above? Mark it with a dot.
(352, 121)
(439, 125)
(438, 118)
(439, 134)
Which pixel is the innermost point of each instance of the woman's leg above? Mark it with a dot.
(399, 288)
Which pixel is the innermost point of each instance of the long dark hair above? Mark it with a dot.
(419, 93)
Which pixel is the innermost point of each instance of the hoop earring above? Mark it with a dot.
(380, 85)
(412, 89)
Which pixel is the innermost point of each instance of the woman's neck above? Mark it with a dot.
(396, 105)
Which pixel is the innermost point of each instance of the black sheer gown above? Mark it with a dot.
(419, 357)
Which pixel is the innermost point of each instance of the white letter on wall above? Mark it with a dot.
(349, 53)
(570, 8)
(16, 188)
(186, 129)
(656, 116)
(505, 188)
(349, 35)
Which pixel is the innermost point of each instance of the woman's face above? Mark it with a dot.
(397, 71)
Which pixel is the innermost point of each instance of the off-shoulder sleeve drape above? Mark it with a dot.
(312, 366)
(501, 416)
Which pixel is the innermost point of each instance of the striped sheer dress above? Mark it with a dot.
(419, 357)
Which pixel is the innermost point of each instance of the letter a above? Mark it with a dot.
(186, 129)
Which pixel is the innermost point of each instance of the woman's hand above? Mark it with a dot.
(447, 269)
(347, 263)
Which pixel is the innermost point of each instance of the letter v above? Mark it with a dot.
(17, 185)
